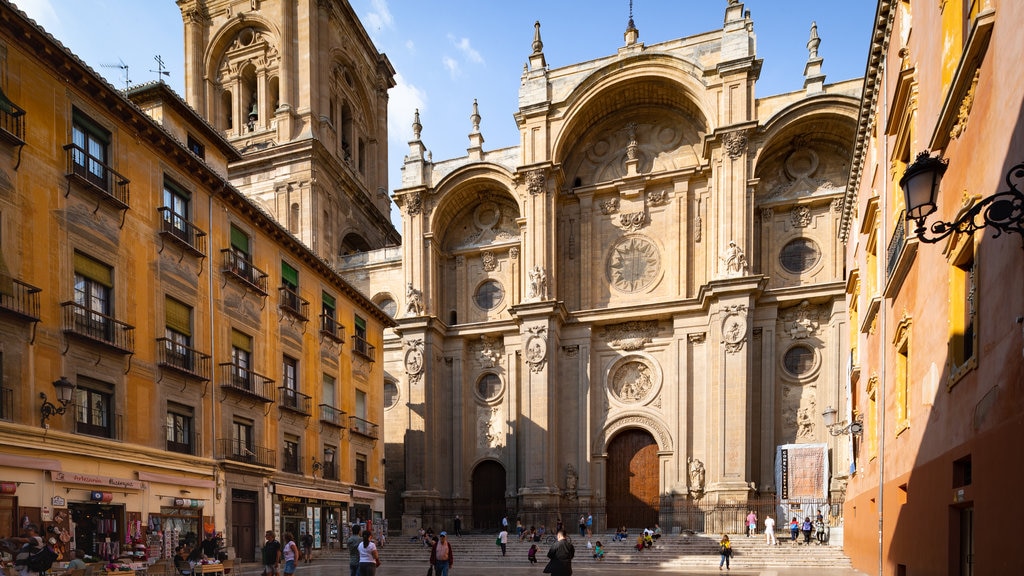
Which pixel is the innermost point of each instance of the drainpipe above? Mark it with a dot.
(886, 189)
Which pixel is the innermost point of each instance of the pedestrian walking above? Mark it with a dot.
(560, 556)
(503, 540)
(458, 526)
(725, 551)
(751, 524)
(806, 528)
(769, 530)
(352, 543)
(307, 547)
(441, 556)
(583, 526)
(368, 557)
(271, 555)
(289, 553)
(794, 529)
(531, 554)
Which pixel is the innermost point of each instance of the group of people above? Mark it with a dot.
(816, 528)
(363, 558)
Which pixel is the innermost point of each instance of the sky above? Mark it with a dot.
(446, 53)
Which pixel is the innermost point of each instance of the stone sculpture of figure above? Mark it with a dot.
(414, 301)
(570, 479)
(696, 476)
(735, 261)
(538, 284)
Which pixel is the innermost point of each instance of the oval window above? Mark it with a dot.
(489, 295)
(389, 306)
(799, 255)
(390, 394)
(799, 360)
(489, 386)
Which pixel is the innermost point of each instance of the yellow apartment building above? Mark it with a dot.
(174, 362)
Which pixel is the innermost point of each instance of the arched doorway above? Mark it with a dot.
(633, 479)
(488, 496)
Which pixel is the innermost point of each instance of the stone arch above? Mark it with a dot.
(656, 428)
(223, 38)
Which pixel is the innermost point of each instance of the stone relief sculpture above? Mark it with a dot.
(413, 301)
(734, 260)
(571, 480)
(631, 335)
(414, 361)
(632, 382)
(696, 473)
(535, 181)
(491, 350)
(633, 221)
(801, 321)
(536, 348)
(634, 264)
(538, 284)
(734, 328)
(805, 422)
(609, 206)
(801, 217)
(490, 427)
(489, 261)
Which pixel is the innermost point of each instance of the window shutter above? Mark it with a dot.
(289, 275)
(328, 301)
(94, 270)
(241, 341)
(239, 241)
(179, 317)
(360, 323)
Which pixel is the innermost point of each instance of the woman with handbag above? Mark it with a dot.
(368, 558)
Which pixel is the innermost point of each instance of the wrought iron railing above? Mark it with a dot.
(331, 415)
(245, 381)
(98, 421)
(293, 400)
(180, 229)
(363, 348)
(189, 445)
(12, 120)
(22, 299)
(329, 471)
(331, 328)
(896, 245)
(183, 359)
(238, 450)
(294, 304)
(101, 328)
(92, 170)
(291, 463)
(241, 268)
(360, 426)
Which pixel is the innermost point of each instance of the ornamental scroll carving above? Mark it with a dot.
(801, 217)
(413, 203)
(734, 327)
(609, 206)
(633, 221)
(735, 144)
(657, 197)
(802, 321)
(631, 335)
(491, 350)
(489, 261)
(536, 353)
(414, 359)
(535, 181)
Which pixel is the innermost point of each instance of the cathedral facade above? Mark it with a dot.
(642, 302)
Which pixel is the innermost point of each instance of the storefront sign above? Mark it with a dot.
(8, 487)
(94, 480)
(189, 503)
(58, 501)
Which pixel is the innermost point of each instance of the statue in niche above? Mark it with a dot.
(804, 422)
(734, 259)
(414, 301)
(696, 472)
(538, 284)
(571, 480)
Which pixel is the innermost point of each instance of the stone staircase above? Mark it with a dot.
(670, 551)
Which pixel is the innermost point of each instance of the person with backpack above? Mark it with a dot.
(34, 557)
(307, 547)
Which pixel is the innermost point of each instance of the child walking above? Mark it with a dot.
(532, 554)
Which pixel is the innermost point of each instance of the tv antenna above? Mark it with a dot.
(124, 68)
(160, 72)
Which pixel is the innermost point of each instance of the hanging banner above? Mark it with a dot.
(96, 496)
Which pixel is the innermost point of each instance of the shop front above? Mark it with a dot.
(301, 510)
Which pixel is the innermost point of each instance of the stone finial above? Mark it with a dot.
(417, 128)
(475, 117)
(632, 34)
(538, 44)
(814, 80)
(814, 42)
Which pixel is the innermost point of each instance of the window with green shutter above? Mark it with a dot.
(289, 276)
(240, 241)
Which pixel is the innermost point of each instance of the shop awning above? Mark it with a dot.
(299, 491)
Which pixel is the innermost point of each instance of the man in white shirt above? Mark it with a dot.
(769, 530)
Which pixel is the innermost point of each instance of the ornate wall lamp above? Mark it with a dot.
(1003, 210)
(65, 392)
(829, 416)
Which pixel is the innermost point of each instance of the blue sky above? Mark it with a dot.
(448, 52)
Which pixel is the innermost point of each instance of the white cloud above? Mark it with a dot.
(410, 46)
(452, 65)
(379, 16)
(467, 50)
(43, 12)
(403, 101)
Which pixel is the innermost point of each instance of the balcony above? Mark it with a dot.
(96, 327)
(97, 176)
(246, 452)
(331, 415)
(239, 267)
(331, 328)
(329, 472)
(183, 359)
(98, 422)
(21, 300)
(362, 427)
(12, 121)
(294, 304)
(246, 382)
(187, 445)
(291, 463)
(183, 232)
(363, 348)
(6, 403)
(291, 399)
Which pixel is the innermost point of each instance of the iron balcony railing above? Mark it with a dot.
(238, 450)
(241, 268)
(181, 230)
(98, 421)
(329, 472)
(245, 381)
(360, 426)
(363, 348)
(331, 328)
(291, 463)
(293, 400)
(294, 304)
(331, 415)
(896, 245)
(92, 170)
(97, 327)
(189, 361)
(188, 445)
(12, 120)
(21, 299)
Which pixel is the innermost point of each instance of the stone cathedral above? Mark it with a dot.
(640, 302)
(637, 304)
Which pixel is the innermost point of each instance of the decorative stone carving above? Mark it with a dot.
(697, 338)
(801, 321)
(538, 284)
(633, 221)
(632, 381)
(657, 197)
(698, 223)
(571, 480)
(513, 253)
(460, 261)
(805, 422)
(491, 350)
(837, 205)
(767, 214)
(800, 217)
(489, 261)
(536, 348)
(571, 351)
(631, 146)
(413, 203)
(491, 433)
(631, 335)
(965, 108)
(734, 327)
(634, 264)
(413, 301)
(735, 144)
(734, 261)
(695, 470)
(535, 181)
(414, 359)
(609, 206)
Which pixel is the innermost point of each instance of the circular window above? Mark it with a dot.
(489, 295)
(390, 394)
(489, 386)
(389, 306)
(799, 360)
(799, 255)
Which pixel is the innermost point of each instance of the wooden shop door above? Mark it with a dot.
(632, 480)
